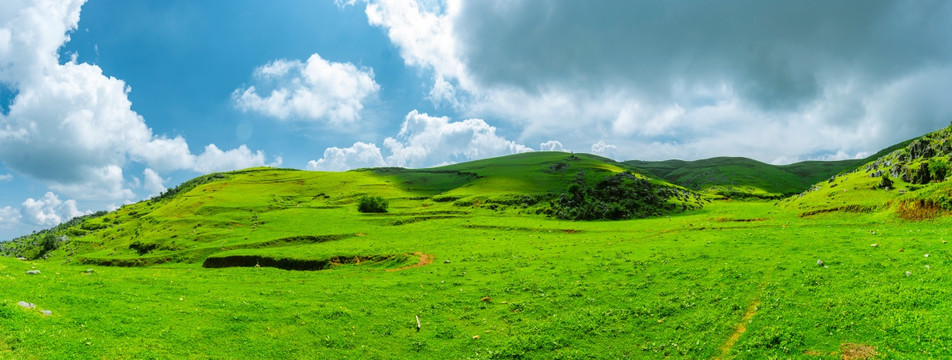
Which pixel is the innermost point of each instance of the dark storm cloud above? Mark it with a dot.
(778, 56)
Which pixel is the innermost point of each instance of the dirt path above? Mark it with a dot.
(425, 259)
(741, 328)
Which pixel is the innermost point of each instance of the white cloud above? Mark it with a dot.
(9, 216)
(314, 90)
(765, 89)
(6, 177)
(423, 140)
(551, 145)
(214, 160)
(604, 149)
(153, 183)
(360, 155)
(423, 33)
(49, 210)
(69, 124)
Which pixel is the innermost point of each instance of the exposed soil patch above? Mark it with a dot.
(194, 255)
(517, 228)
(738, 220)
(425, 259)
(741, 328)
(289, 264)
(418, 219)
(852, 351)
(918, 210)
(846, 208)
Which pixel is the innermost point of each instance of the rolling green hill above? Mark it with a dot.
(738, 177)
(743, 177)
(472, 261)
(251, 210)
(910, 179)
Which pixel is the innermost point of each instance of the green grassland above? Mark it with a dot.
(271, 263)
(743, 178)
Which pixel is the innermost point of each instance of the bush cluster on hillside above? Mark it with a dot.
(372, 204)
(620, 196)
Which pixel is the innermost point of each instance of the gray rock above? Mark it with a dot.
(32, 272)
(26, 304)
(820, 263)
(46, 312)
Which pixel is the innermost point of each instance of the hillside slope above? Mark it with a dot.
(911, 180)
(261, 209)
(738, 176)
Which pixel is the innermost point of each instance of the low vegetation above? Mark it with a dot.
(372, 204)
(486, 260)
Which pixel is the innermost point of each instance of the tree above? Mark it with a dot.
(372, 204)
(885, 183)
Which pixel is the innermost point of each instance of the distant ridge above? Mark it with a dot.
(744, 177)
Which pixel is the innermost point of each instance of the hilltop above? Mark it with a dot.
(260, 209)
(743, 178)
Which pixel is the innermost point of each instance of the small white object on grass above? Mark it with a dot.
(26, 304)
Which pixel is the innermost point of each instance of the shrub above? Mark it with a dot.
(885, 183)
(938, 168)
(372, 204)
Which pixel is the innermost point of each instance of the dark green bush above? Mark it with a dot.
(620, 196)
(938, 168)
(372, 204)
(885, 183)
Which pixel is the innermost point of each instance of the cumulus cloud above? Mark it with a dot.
(9, 216)
(551, 145)
(313, 90)
(69, 124)
(6, 177)
(605, 149)
(214, 159)
(49, 210)
(152, 182)
(360, 155)
(666, 78)
(423, 140)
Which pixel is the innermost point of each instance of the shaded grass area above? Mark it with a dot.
(486, 274)
(664, 287)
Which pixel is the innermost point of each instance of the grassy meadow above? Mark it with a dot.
(467, 251)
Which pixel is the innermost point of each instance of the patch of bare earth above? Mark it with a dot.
(852, 351)
(741, 328)
(848, 351)
(425, 259)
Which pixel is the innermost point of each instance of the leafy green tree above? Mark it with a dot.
(372, 204)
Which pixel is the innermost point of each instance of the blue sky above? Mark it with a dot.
(106, 102)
